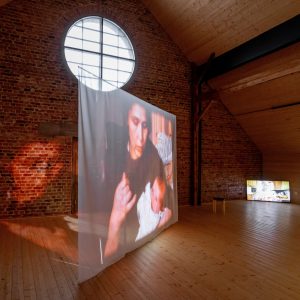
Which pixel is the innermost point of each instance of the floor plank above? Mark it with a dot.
(251, 252)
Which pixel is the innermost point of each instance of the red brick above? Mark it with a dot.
(36, 86)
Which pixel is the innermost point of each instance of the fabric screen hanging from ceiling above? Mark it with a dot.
(127, 189)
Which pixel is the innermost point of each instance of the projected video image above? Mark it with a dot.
(139, 173)
(127, 176)
(266, 190)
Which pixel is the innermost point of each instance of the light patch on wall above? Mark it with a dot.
(33, 168)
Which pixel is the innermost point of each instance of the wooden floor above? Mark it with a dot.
(252, 252)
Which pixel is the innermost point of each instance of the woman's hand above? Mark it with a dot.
(123, 203)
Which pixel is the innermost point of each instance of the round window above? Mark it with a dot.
(99, 53)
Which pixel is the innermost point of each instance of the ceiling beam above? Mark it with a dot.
(272, 40)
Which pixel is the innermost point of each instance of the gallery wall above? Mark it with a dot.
(228, 155)
(38, 108)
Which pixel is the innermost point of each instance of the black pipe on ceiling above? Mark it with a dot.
(270, 41)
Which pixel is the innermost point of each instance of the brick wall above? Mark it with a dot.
(36, 87)
(229, 158)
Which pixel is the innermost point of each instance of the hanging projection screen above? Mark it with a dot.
(127, 189)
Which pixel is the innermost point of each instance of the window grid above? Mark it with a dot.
(101, 70)
(86, 55)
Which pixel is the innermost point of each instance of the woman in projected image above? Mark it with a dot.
(133, 162)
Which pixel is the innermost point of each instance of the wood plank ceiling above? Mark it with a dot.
(200, 27)
(263, 95)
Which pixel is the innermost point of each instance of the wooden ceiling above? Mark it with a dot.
(200, 27)
(263, 95)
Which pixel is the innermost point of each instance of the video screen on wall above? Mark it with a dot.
(268, 190)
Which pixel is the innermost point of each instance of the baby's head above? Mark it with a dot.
(158, 191)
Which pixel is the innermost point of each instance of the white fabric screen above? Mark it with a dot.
(127, 191)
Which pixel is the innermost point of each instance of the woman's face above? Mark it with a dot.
(138, 130)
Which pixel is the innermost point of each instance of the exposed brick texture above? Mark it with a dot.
(37, 87)
(229, 158)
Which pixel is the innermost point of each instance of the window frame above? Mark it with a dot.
(116, 82)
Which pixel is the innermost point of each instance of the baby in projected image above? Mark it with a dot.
(150, 208)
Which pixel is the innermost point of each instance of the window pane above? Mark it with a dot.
(110, 62)
(109, 39)
(110, 50)
(73, 56)
(109, 27)
(110, 74)
(123, 43)
(75, 32)
(125, 53)
(91, 35)
(125, 65)
(79, 23)
(90, 59)
(123, 76)
(91, 71)
(92, 23)
(91, 46)
(74, 43)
